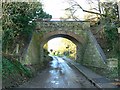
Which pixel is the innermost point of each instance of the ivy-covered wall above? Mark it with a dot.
(32, 56)
(34, 52)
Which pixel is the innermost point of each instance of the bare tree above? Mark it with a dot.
(95, 8)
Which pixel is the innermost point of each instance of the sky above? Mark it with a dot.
(56, 8)
(54, 43)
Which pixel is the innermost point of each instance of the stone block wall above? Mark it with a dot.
(92, 56)
(32, 56)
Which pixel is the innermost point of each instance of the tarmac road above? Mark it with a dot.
(58, 75)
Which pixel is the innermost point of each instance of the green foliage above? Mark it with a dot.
(110, 10)
(14, 73)
(47, 58)
(18, 22)
(70, 48)
(110, 23)
(10, 67)
(111, 33)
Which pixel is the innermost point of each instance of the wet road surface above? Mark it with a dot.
(58, 75)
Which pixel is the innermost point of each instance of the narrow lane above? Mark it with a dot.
(58, 75)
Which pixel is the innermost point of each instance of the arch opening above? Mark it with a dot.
(60, 46)
(78, 40)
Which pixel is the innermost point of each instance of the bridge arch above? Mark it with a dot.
(76, 39)
(65, 34)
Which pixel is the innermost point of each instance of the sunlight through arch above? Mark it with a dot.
(61, 47)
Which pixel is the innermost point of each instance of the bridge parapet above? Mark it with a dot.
(68, 26)
(59, 24)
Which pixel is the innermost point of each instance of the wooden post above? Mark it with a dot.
(17, 48)
(119, 8)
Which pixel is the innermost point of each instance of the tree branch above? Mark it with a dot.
(10, 56)
(76, 4)
(89, 11)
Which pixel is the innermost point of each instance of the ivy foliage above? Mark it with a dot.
(18, 22)
(110, 23)
(13, 67)
(14, 73)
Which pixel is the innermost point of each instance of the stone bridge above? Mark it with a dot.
(88, 51)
